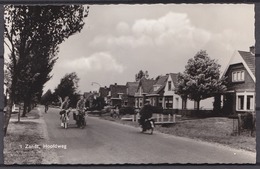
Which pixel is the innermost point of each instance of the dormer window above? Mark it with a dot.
(156, 87)
(169, 85)
(238, 76)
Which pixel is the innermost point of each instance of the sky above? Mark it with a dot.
(119, 40)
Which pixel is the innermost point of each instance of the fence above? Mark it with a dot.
(244, 122)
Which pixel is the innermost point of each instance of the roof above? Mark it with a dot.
(147, 84)
(161, 81)
(249, 58)
(174, 77)
(132, 87)
(88, 95)
(244, 57)
(115, 89)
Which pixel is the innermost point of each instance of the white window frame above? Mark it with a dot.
(245, 94)
(238, 76)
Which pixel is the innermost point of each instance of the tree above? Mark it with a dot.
(141, 74)
(47, 97)
(68, 87)
(201, 79)
(28, 30)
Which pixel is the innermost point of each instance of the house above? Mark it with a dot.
(240, 74)
(171, 99)
(90, 97)
(129, 97)
(163, 95)
(115, 94)
(145, 86)
(156, 95)
(103, 92)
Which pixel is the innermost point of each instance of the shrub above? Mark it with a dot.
(127, 110)
(248, 121)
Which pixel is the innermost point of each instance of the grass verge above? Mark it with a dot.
(214, 130)
(29, 131)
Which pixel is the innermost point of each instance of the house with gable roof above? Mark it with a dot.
(145, 86)
(115, 94)
(129, 97)
(155, 96)
(241, 80)
(171, 100)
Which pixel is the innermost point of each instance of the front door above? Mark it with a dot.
(229, 104)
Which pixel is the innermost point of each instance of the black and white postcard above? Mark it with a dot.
(129, 84)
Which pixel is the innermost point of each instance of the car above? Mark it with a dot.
(15, 108)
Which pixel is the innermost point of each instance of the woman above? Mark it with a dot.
(65, 112)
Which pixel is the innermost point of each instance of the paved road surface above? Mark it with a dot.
(105, 142)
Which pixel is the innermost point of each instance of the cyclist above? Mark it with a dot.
(81, 112)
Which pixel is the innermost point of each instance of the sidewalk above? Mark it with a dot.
(24, 140)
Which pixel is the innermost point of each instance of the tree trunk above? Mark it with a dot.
(25, 108)
(198, 105)
(184, 103)
(7, 114)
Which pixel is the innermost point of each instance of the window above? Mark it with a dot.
(140, 104)
(245, 101)
(240, 103)
(169, 85)
(238, 76)
(249, 102)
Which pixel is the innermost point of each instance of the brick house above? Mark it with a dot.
(240, 74)
(155, 96)
(115, 94)
(103, 92)
(129, 97)
(145, 86)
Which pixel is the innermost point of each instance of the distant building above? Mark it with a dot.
(145, 86)
(115, 94)
(103, 92)
(129, 97)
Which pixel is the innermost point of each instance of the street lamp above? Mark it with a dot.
(92, 83)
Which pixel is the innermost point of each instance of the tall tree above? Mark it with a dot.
(141, 74)
(201, 79)
(68, 87)
(28, 30)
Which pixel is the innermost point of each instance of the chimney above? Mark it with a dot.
(115, 84)
(105, 87)
(252, 49)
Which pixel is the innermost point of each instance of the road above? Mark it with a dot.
(106, 142)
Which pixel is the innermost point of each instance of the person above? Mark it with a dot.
(145, 113)
(46, 107)
(81, 111)
(65, 111)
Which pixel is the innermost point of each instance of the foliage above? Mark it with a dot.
(141, 74)
(47, 97)
(201, 79)
(98, 103)
(32, 35)
(67, 87)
